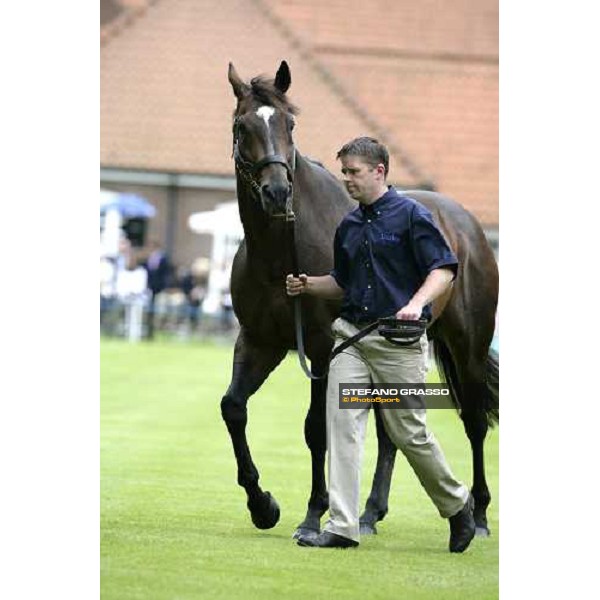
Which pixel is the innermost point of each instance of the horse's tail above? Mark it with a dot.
(492, 380)
(488, 396)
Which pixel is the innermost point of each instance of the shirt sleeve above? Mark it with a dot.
(430, 248)
(340, 271)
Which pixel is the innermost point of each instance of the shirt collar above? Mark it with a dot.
(379, 203)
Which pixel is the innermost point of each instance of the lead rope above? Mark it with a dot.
(290, 223)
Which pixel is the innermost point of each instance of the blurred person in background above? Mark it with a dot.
(227, 315)
(132, 296)
(193, 282)
(159, 271)
(111, 272)
(107, 292)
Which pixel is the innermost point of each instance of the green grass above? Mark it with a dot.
(174, 521)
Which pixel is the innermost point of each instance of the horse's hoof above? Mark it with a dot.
(367, 529)
(482, 531)
(305, 532)
(264, 511)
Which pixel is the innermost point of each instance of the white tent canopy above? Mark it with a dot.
(106, 197)
(224, 224)
(223, 219)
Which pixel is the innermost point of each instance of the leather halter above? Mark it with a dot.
(251, 170)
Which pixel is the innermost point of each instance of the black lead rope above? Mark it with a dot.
(290, 220)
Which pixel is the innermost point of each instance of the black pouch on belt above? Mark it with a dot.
(401, 332)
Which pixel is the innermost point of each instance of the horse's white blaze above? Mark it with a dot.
(265, 113)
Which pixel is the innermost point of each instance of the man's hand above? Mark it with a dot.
(411, 312)
(322, 286)
(296, 285)
(436, 283)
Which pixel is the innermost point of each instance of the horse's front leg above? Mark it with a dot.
(377, 503)
(251, 366)
(315, 435)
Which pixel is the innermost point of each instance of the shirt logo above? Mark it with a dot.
(388, 237)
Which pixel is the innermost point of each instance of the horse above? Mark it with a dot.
(273, 180)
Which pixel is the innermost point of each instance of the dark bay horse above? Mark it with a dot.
(274, 178)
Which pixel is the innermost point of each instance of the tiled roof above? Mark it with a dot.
(445, 115)
(166, 103)
(109, 10)
(431, 27)
(427, 71)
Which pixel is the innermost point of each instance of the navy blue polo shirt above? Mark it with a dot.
(382, 255)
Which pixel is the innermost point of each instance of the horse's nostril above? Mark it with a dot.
(267, 192)
(277, 193)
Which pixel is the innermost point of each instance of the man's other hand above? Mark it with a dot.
(296, 285)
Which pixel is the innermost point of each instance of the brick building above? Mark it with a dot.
(421, 76)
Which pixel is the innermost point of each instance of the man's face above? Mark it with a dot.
(362, 180)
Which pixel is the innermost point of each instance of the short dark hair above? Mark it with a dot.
(369, 149)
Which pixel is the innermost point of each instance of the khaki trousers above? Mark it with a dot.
(374, 360)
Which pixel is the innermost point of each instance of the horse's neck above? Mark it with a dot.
(251, 214)
(265, 239)
(321, 202)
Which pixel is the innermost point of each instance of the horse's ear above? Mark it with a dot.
(240, 89)
(283, 79)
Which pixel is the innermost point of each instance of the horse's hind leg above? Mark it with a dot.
(251, 366)
(476, 427)
(476, 415)
(468, 382)
(377, 503)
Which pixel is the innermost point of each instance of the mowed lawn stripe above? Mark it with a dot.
(174, 522)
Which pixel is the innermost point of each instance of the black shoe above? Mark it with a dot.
(462, 527)
(326, 539)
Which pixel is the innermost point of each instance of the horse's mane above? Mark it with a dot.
(314, 161)
(263, 91)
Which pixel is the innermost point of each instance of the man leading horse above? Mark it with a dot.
(389, 259)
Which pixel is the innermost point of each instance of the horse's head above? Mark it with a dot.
(263, 147)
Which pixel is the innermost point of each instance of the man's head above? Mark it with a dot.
(365, 165)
